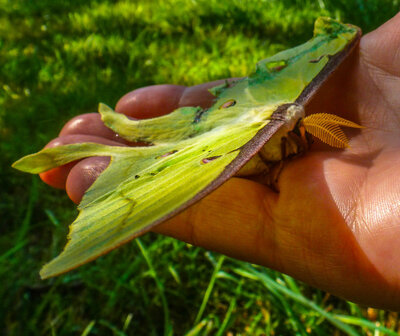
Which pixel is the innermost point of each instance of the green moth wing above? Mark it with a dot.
(191, 151)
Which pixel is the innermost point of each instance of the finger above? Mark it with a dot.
(199, 95)
(82, 176)
(157, 100)
(149, 102)
(57, 177)
(381, 47)
(89, 124)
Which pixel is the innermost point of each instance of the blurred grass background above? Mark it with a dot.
(61, 58)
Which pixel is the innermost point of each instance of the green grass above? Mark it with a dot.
(59, 59)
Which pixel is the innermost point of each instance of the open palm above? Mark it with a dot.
(335, 222)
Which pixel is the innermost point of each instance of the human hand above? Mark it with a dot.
(335, 223)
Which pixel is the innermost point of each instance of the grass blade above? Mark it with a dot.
(360, 322)
(88, 328)
(160, 287)
(269, 283)
(209, 289)
(232, 306)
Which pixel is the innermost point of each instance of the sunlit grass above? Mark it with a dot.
(61, 58)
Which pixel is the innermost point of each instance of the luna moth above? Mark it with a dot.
(254, 124)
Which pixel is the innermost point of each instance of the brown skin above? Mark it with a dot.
(335, 223)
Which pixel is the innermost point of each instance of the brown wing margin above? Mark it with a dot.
(329, 68)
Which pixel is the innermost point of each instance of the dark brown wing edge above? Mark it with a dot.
(251, 148)
(329, 68)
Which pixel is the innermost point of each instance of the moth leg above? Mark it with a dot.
(301, 141)
(302, 130)
(284, 148)
(276, 169)
(276, 172)
(271, 175)
(305, 137)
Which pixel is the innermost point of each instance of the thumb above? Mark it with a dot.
(381, 47)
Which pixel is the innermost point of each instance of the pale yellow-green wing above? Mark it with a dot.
(191, 150)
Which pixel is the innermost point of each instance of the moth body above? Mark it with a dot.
(280, 146)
